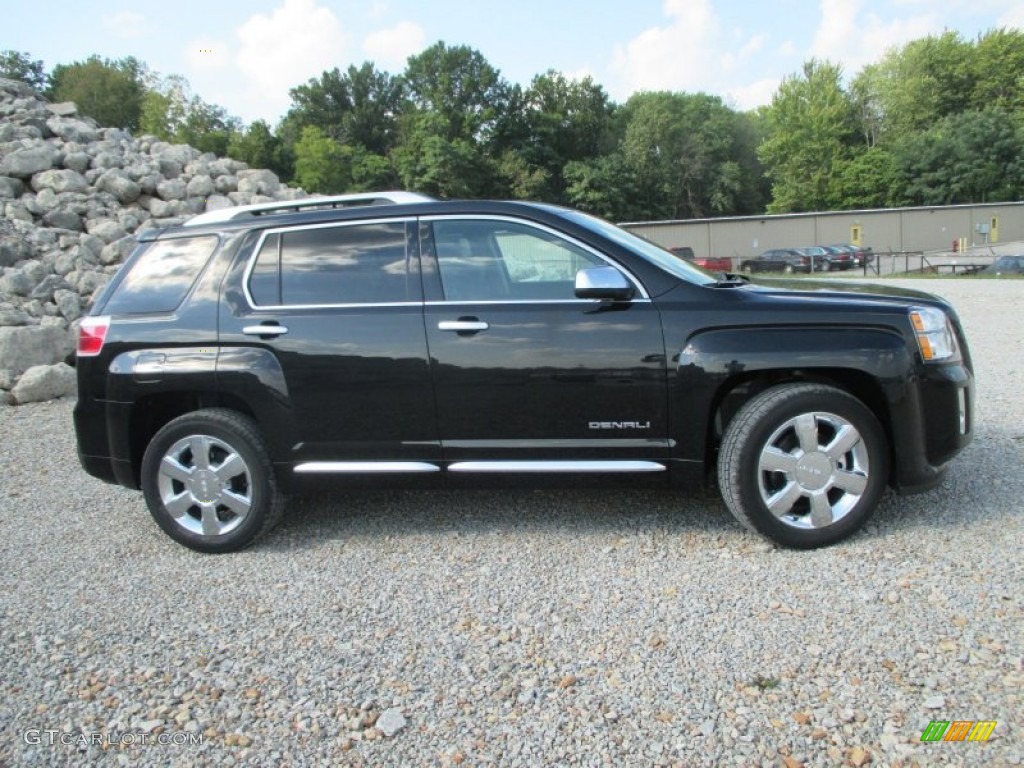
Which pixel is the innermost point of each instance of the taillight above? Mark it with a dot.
(92, 332)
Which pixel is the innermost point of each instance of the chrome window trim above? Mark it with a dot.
(247, 275)
(491, 302)
(343, 467)
(556, 466)
(544, 228)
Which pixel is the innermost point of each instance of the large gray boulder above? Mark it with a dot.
(27, 346)
(45, 382)
(60, 181)
(71, 129)
(120, 185)
(23, 163)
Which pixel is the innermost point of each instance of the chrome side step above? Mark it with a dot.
(346, 467)
(369, 467)
(556, 466)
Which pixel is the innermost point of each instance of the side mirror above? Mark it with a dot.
(603, 283)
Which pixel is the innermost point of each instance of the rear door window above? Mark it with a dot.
(162, 276)
(326, 266)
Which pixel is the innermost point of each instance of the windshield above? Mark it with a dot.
(644, 248)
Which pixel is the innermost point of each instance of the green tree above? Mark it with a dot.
(999, 70)
(109, 91)
(20, 66)
(321, 163)
(172, 112)
(868, 179)
(974, 157)
(258, 147)
(691, 154)
(913, 86)
(464, 93)
(554, 122)
(605, 186)
(811, 124)
(358, 106)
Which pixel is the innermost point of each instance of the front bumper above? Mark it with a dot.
(931, 425)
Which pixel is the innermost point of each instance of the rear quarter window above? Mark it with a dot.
(159, 279)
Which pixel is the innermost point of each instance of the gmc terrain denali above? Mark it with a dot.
(393, 339)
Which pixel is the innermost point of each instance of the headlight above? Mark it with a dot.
(935, 335)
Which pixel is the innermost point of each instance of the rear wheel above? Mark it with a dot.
(803, 464)
(788, 269)
(209, 483)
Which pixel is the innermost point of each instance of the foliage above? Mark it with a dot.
(109, 91)
(811, 124)
(940, 119)
(964, 158)
(20, 66)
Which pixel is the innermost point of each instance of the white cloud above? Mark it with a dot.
(378, 10)
(787, 49)
(1013, 16)
(206, 54)
(673, 57)
(854, 39)
(125, 23)
(297, 41)
(389, 48)
(755, 94)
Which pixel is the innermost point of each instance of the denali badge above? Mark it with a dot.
(620, 425)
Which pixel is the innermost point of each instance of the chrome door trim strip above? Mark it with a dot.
(348, 467)
(556, 466)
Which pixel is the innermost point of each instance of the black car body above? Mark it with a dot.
(1004, 265)
(785, 260)
(257, 352)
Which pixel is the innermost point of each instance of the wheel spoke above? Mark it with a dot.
(200, 446)
(775, 460)
(853, 482)
(238, 504)
(211, 525)
(171, 467)
(821, 510)
(231, 467)
(806, 427)
(845, 439)
(782, 502)
(178, 505)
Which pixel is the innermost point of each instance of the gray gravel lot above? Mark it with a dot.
(526, 628)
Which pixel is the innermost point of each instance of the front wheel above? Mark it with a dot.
(209, 483)
(803, 464)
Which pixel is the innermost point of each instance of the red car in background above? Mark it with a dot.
(710, 263)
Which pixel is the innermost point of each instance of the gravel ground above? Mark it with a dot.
(554, 628)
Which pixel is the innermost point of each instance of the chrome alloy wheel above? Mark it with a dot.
(205, 485)
(813, 470)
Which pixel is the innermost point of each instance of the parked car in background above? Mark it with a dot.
(1004, 265)
(785, 260)
(838, 258)
(825, 260)
(710, 263)
(862, 254)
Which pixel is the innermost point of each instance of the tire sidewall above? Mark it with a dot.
(871, 433)
(255, 460)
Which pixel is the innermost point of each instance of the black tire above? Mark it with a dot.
(217, 477)
(821, 496)
(746, 267)
(788, 269)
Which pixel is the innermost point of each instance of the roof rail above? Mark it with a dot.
(307, 203)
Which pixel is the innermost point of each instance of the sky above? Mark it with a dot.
(244, 55)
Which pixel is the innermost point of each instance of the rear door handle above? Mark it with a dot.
(462, 326)
(265, 330)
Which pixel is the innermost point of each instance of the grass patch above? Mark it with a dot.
(765, 683)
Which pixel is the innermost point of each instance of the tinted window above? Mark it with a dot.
(363, 264)
(162, 275)
(500, 260)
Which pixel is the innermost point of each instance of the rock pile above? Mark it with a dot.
(71, 196)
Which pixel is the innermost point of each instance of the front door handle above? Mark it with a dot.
(265, 330)
(462, 326)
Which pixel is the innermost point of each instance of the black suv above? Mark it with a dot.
(395, 340)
